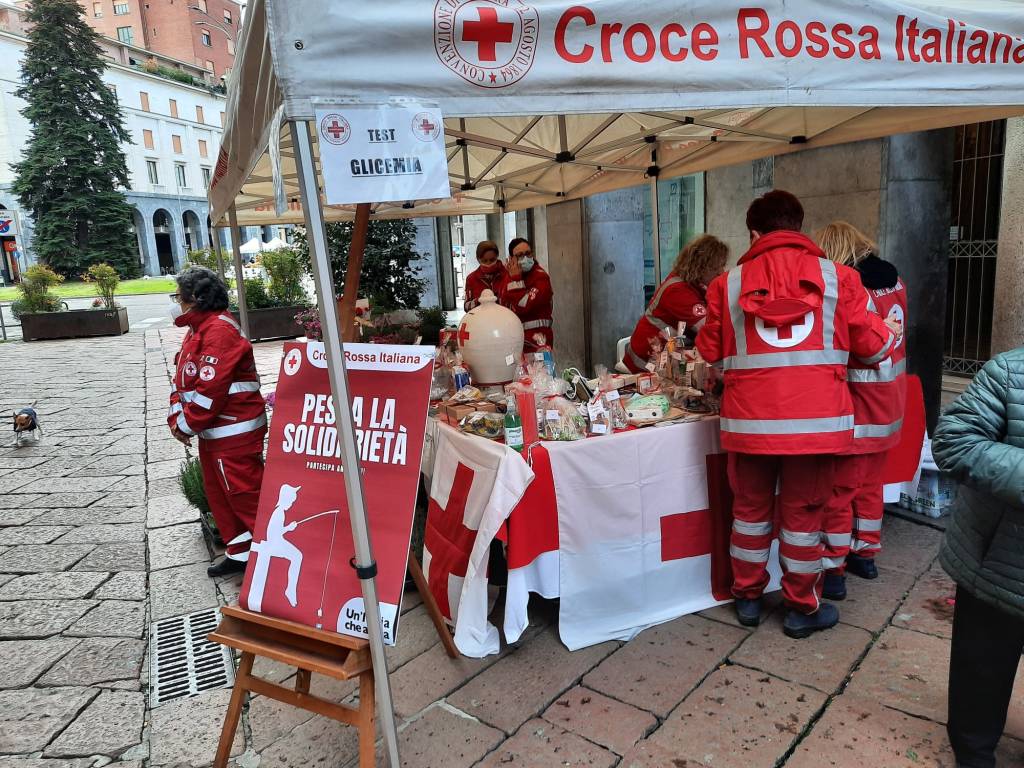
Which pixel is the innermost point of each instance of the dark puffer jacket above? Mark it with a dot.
(980, 441)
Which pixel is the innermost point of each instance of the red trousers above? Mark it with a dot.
(804, 485)
(853, 517)
(233, 492)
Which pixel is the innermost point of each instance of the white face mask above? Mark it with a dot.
(175, 310)
(526, 263)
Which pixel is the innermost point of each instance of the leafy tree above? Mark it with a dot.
(106, 280)
(36, 295)
(73, 165)
(389, 277)
(284, 269)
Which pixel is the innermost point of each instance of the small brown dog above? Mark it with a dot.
(26, 423)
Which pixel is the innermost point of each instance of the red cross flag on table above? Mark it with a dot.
(299, 564)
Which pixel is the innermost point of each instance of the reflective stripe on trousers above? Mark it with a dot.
(787, 426)
(877, 430)
(529, 325)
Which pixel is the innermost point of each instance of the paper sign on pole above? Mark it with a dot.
(299, 563)
(382, 153)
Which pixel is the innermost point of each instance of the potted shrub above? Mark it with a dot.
(273, 305)
(44, 316)
(191, 479)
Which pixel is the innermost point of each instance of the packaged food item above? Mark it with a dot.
(481, 424)
(513, 425)
(467, 394)
(647, 408)
(612, 401)
(460, 374)
(563, 420)
(440, 382)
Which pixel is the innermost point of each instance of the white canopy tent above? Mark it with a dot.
(551, 100)
(251, 247)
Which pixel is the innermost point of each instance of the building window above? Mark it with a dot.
(151, 170)
(174, 107)
(201, 4)
(97, 10)
(223, 120)
(206, 40)
(202, 149)
(176, 142)
(227, 17)
(207, 176)
(231, 46)
(147, 138)
(144, 100)
(179, 172)
(120, 9)
(209, 66)
(125, 35)
(199, 114)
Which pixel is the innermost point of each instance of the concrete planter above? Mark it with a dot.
(273, 323)
(74, 324)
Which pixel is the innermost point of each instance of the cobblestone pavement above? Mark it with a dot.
(96, 542)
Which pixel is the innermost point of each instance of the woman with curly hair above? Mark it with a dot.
(215, 396)
(679, 298)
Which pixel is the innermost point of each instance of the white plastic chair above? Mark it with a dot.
(620, 354)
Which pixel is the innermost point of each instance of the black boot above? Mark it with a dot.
(748, 611)
(225, 567)
(861, 566)
(834, 587)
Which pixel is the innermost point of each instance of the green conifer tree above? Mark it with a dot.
(73, 167)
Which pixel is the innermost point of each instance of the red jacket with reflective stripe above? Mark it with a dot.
(479, 281)
(531, 298)
(782, 325)
(674, 300)
(216, 389)
(880, 391)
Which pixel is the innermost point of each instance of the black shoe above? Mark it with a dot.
(748, 611)
(225, 567)
(800, 625)
(861, 566)
(834, 587)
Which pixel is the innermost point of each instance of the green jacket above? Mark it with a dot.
(980, 442)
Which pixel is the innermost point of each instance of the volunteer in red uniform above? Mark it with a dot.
(681, 297)
(782, 325)
(853, 518)
(216, 397)
(527, 292)
(490, 275)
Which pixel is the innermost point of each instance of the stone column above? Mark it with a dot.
(1007, 318)
(914, 235)
(148, 237)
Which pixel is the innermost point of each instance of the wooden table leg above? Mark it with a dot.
(432, 610)
(367, 722)
(227, 734)
(302, 680)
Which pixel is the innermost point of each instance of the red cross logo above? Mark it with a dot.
(426, 126)
(785, 336)
(334, 128)
(448, 540)
(463, 335)
(487, 33)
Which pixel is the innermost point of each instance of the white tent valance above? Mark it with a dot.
(552, 100)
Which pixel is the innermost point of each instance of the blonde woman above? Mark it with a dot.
(681, 297)
(853, 518)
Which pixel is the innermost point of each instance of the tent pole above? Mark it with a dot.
(323, 275)
(236, 246)
(220, 255)
(355, 265)
(656, 234)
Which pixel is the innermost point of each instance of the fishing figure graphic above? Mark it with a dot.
(276, 545)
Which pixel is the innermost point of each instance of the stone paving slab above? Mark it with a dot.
(908, 547)
(174, 509)
(929, 606)
(109, 725)
(31, 534)
(49, 586)
(104, 534)
(176, 545)
(739, 718)
(97, 660)
(820, 661)
(124, 556)
(443, 737)
(870, 604)
(66, 499)
(538, 672)
(662, 664)
(184, 733)
(23, 661)
(91, 516)
(180, 590)
(27, 619)
(597, 718)
(43, 558)
(540, 744)
(416, 635)
(111, 618)
(129, 585)
(908, 671)
(316, 742)
(31, 717)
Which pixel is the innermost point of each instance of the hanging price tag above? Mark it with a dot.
(612, 395)
(599, 429)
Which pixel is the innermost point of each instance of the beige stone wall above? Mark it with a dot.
(1008, 312)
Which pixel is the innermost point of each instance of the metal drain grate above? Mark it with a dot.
(183, 662)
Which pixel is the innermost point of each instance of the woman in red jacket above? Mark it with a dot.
(527, 292)
(680, 297)
(490, 275)
(215, 396)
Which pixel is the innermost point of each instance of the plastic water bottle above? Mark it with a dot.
(460, 373)
(513, 424)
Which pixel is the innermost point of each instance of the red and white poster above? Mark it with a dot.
(299, 564)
